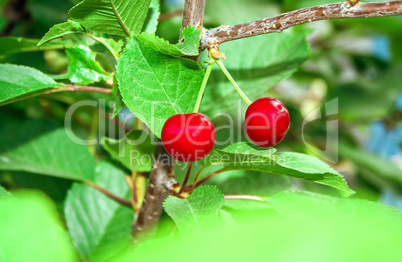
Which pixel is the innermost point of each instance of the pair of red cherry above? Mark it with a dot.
(190, 137)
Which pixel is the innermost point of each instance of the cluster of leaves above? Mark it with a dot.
(118, 41)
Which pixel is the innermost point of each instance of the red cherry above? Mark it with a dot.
(188, 137)
(266, 121)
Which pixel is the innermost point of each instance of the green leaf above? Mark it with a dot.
(282, 163)
(156, 86)
(198, 211)
(190, 41)
(4, 193)
(245, 204)
(367, 231)
(82, 66)
(302, 205)
(11, 45)
(239, 153)
(246, 182)
(256, 64)
(117, 17)
(30, 222)
(59, 30)
(135, 151)
(187, 48)
(118, 99)
(152, 17)
(117, 46)
(42, 147)
(311, 168)
(371, 162)
(159, 44)
(47, 13)
(98, 225)
(19, 81)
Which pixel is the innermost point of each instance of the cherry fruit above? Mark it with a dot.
(188, 137)
(266, 122)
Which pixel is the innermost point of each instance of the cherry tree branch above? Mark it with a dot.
(80, 88)
(276, 24)
(168, 15)
(193, 14)
(61, 89)
(161, 179)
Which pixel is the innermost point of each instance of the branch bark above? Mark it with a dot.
(193, 14)
(61, 89)
(277, 24)
(161, 180)
(168, 15)
(80, 88)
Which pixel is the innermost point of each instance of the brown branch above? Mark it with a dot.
(224, 33)
(190, 165)
(193, 13)
(109, 194)
(168, 15)
(161, 180)
(61, 89)
(211, 176)
(73, 88)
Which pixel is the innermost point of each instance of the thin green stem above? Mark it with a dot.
(198, 175)
(204, 83)
(227, 74)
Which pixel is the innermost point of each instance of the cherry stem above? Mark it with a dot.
(212, 175)
(247, 197)
(197, 176)
(203, 85)
(233, 82)
(190, 165)
(134, 190)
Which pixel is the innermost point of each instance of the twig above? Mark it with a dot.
(197, 176)
(80, 88)
(224, 33)
(174, 193)
(161, 180)
(61, 89)
(248, 197)
(212, 175)
(190, 165)
(168, 15)
(109, 194)
(193, 14)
